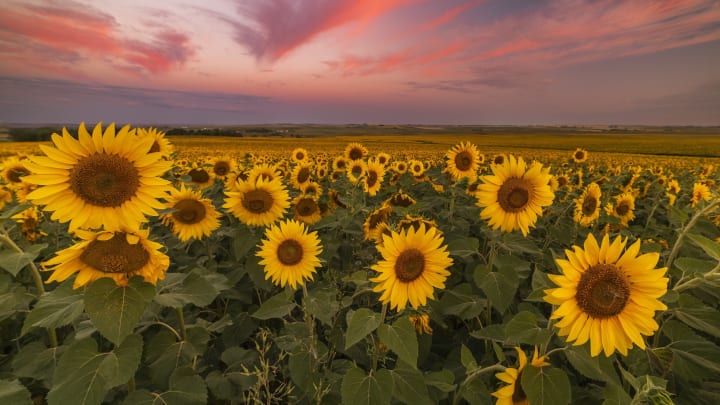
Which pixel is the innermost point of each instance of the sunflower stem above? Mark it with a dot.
(310, 320)
(678, 242)
(470, 377)
(376, 344)
(37, 279)
(181, 323)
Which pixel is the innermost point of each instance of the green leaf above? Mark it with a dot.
(115, 310)
(442, 380)
(461, 302)
(409, 385)
(164, 354)
(522, 328)
(84, 376)
(360, 324)
(276, 307)
(596, 368)
(545, 385)
(13, 392)
(467, 359)
(516, 243)
(400, 337)
(37, 361)
(696, 315)
(359, 388)
(616, 395)
(710, 247)
(499, 287)
(186, 388)
(692, 265)
(192, 288)
(59, 307)
(695, 360)
(476, 393)
(463, 247)
(13, 261)
(323, 304)
(243, 243)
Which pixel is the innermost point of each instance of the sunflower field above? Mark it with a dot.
(138, 268)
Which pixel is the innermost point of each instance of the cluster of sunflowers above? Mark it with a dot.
(105, 184)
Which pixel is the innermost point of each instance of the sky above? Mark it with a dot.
(467, 62)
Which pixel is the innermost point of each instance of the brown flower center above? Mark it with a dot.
(401, 200)
(401, 167)
(409, 265)
(603, 291)
(498, 160)
(377, 217)
(562, 181)
(382, 160)
(356, 170)
(463, 161)
(372, 178)
(290, 252)
(257, 201)
(299, 156)
(115, 255)
(199, 176)
(221, 168)
(579, 155)
(306, 207)
(589, 205)
(303, 175)
(340, 164)
(104, 180)
(14, 175)
(189, 211)
(355, 153)
(622, 208)
(514, 194)
(155, 147)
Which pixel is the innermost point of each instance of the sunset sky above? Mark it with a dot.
(360, 61)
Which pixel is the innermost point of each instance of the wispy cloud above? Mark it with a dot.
(76, 32)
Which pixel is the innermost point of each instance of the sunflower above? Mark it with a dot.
(200, 176)
(160, 143)
(265, 171)
(416, 167)
(301, 174)
(499, 159)
(334, 200)
(513, 394)
(413, 263)
(700, 192)
(339, 164)
(673, 186)
(299, 155)
(383, 158)
(29, 220)
(193, 216)
(371, 230)
(106, 179)
(400, 167)
(463, 161)
(119, 255)
(421, 322)
(415, 222)
(580, 155)
(355, 151)
(258, 203)
(587, 206)
(5, 196)
(513, 197)
(373, 180)
(307, 209)
(400, 199)
(13, 170)
(624, 208)
(289, 254)
(607, 298)
(356, 170)
(321, 171)
(223, 167)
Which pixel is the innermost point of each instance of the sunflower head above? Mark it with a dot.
(462, 161)
(258, 203)
(290, 254)
(374, 178)
(587, 206)
(160, 143)
(580, 155)
(13, 170)
(192, 215)
(302, 174)
(307, 209)
(355, 151)
(299, 155)
(700, 192)
(513, 393)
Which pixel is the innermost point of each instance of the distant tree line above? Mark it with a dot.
(32, 134)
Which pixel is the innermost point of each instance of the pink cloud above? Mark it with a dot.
(450, 15)
(73, 30)
(278, 27)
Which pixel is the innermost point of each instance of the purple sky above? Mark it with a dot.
(360, 61)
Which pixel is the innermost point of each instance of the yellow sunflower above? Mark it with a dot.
(160, 143)
(299, 155)
(383, 158)
(463, 161)
(193, 216)
(29, 221)
(421, 322)
(400, 167)
(339, 164)
(700, 192)
(624, 208)
(607, 298)
(105, 179)
(513, 394)
(312, 188)
(355, 151)
(356, 170)
(201, 176)
(499, 159)
(371, 226)
(13, 170)
(580, 155)
(265, 171)
(416, 167)
(301, 174)
(223, 167)
(289, 254)
(373, 180)
(514, 195)
(587, 206)
(400, 199)
(119, 255)
(414, 262)
(258, 203)
(5, 196)
(307, 209)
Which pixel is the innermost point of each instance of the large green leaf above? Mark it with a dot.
(522, 328)
(323, 304)
(186, 388)
(37, 361)
(115, 310)
(461, 302)
(463, 247)
(499, 287)
(13, 261)
(598, 368)
(409, 385)
(400, 337)
(545, 385)
(191, 288)
(360, 324)
(710, 247)
(359, 388)
(59, 307)
(467, 359)
(697, 315)
(277, 306)
(13, 392)
(84, 376)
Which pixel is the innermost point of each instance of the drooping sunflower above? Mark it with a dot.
(373, 180)
(258, 203)
(301, 174)
(607, 298)
(371, 230)
(106, 179)
(587, 206)
(514, 195)
(13, 170)
(700, 192)
(624, 208)
(119, 255)
(355, 151)
(289, 254)
(306, 209)
(414, 262)
(160, 143)
(462, 161)
(193, 216)
(400, 199)
(513, 394)
(421, 323)
(299, 155)
(580, 155)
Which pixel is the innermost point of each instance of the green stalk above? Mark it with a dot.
(474, 374)
(181, 323)
(678, 243)
(376, 345)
